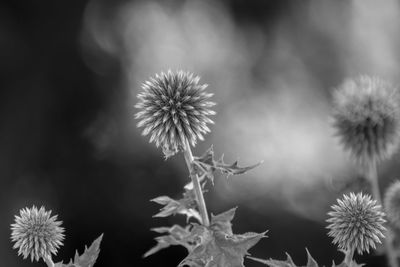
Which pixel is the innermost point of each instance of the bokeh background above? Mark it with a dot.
(70, 72)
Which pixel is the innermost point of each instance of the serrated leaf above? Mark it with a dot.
(185, 206)
(90, 255)
(87, 259)
(288, 262)
(176, 235)
(234, 169)
(219, 249)
(223, 221)
(206, 165)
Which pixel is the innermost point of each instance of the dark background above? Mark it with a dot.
(70, 71)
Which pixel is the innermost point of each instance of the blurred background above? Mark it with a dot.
(70, 72)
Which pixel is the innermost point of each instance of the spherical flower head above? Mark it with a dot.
(37, 234)
(356, 223)
(392, 203)
(367, 118)
(174, 109)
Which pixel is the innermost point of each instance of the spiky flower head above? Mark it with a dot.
(356, 223)
(36, 233)
(392, 203)
(174, 109)
(367, 117)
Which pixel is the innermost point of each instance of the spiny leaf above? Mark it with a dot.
(223, 221)
(288, 262)
(206, 165)
(185, 206)
(219, 249)
(275, 263)
(89, 256)
(87, 259)
(234, 169)
(176, 235)
(218, 246)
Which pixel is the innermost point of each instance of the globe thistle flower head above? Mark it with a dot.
(356, 222)
(392, 203)
(367, 118)
(36, 233)
(174, 109)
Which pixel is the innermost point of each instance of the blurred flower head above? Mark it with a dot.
(174, 108)
(356, 223)
(392, 203)
(37, 234)
(367, 117)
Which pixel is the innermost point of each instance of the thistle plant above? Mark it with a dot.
(39, 235)
(367, 121)
(174, 110)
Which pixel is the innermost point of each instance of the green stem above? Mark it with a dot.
(348, 259)
(49, 261)
(196, 184)
(372, 175)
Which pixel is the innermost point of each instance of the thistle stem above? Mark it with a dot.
(348, 259)
(196, 184)
(49, 261)
(372, 175)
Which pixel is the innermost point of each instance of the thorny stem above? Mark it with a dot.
(348, 259)
(372, 175)
(196, 184)
(49, 261)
